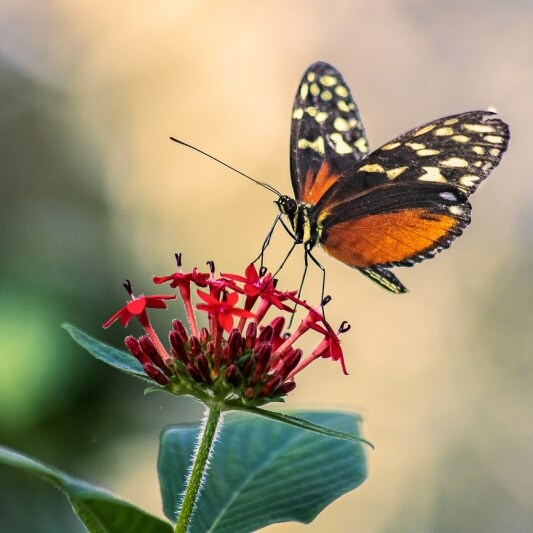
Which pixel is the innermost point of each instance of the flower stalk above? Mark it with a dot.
(206, 441)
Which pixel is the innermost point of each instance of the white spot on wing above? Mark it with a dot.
(372, 168)
(393, 173)
(298, 113)
(341, 91)
(328, 81)
(341, 124)
(304, 90)
(427, 151)
(496, 139)
(461, 138)
(455, 162)
(448, 196)
(391, 146)
(343, 106)
(432, 174)
(341, 146)
(415, 146)
(468, 180)
(423, 130)
(317, 145)
(443, 132)
(361, 145)
(479, 128)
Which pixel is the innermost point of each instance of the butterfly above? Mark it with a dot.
(395, 206)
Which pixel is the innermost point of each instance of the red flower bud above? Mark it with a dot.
(203, 367)
(195, 346)
(178, 347)
(155, 373)
(251, 334)
(232, 376)
(204, 335)
(180, 328)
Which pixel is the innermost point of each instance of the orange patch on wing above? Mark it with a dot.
(391, 237)
(316, 186)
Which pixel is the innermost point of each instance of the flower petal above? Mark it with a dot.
(231, 299)
(136, 306)
(114, 318)
(226, 321)
(207, 298)
(251, 273)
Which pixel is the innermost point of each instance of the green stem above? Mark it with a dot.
(206, 441)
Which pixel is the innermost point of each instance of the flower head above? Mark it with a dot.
(250, 363)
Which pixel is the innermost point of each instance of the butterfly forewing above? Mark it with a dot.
(327, 136)
(408, 200)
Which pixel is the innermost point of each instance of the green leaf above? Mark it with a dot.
(100, 511)
(116, 358)
(263, 472)
(303, 424)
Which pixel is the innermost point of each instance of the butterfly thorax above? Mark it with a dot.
(301, 219)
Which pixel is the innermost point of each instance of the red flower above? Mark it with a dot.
(252, 281)
(223, 309)
(333, 349)
(179, 279)
(137, 306)
(259, 286)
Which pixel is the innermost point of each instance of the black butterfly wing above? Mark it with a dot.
(408, 200)
(327, 136)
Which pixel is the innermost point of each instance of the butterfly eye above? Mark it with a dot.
(287, 206)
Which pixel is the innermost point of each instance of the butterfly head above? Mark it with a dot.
(287, 205)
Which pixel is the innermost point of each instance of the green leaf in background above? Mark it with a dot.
(100, 511)
(116, 358)
(263, 472)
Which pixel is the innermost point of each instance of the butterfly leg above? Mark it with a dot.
(319, 265)
(306, 264)
(266, 242)
(285, 260)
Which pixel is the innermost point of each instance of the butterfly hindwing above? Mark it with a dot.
(408, 200)
(385, 278)
(327, 136)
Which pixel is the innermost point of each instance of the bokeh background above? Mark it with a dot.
(92, 191)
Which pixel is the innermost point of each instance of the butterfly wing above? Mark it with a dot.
(327, 136)
(408, 200)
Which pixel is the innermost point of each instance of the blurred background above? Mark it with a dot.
(92, 191)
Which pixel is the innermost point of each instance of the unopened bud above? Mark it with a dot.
(155, 373)
(195, 346)
(232, 376)
(178, 347)
(203, 367)
(251, 334)
(204, 336)
(180, 328)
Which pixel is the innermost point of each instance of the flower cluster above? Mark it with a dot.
(248, 362)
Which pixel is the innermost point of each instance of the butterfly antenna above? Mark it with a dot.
(265, 185)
